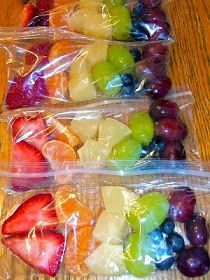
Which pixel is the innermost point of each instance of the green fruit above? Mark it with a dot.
(121, 23)
(128, 151)
(139, 255)
(121, 59)
(106, 77)
(111, 3)
(148, 213)
(142, 127)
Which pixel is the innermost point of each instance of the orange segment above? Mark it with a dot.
(57, 87)
(80, 244)
(58, 17)
(58, 151)
(60, 132)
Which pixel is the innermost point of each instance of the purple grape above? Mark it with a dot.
(156, 49)
(193, 262)
(174, 151)
(170, 130)
(155, 14)
(159, 86)
(162, 108)
(151, 3)
(182, 202)
(158, 30)
(150, 68)
(196, 230)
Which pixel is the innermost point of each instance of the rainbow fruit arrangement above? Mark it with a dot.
(68, 71)
(131, 233)
(92, 137)
(109, 19)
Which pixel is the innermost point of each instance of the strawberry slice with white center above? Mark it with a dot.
(27, 159)
(42, 251)
(37, 212)
(31, 130)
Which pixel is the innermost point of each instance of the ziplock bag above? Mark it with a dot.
(100, 134)
(111, 20)
(51, 71)
(151, 223)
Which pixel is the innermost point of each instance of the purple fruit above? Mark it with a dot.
(162, 108)
(173, 151)
(155, 14)
(156, 49)
(193, 262)
(196, 230)
(159, 86)
(170, 130)
(182, 202)
(150, 3)
(150, 68)
(158, 30)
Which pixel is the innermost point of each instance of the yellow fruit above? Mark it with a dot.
(96, 52)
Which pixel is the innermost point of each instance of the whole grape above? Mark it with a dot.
(196, 230)
(156, 49)
(174, 151)
(160, 109)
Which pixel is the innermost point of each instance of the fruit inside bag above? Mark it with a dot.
(118, 20)
(108, 225)
(117, 134)
(49, 72)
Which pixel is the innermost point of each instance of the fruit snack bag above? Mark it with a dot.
(151, 223)
(117, 134)
(118, 20)
(62, 71)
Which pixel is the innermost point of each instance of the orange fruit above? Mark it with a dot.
(60, 132)
(55, 150)
(80, 244)
(64, 47)
(57, 87)
(58, 17)
(69, 210)
(61, 2)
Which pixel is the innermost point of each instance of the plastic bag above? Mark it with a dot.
(104, 225)
(119, 134)
(50, 71)
(111, 20)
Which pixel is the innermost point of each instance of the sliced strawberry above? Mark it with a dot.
(40, 50)
(44, 5)
(30, 129)
(36, 212)
(42, 251)
(27, 159)
(28, 13)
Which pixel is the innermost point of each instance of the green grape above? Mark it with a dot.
(121, 59)
(139, 255)
(106, 77)
(148, 213)
(121, 23)
(142, 127)
(128, 151)
(111, 3)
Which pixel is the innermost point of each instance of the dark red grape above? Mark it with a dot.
(196, 230)
(156, 49)
(151, 3)
(182, 202)
(170, 130)
(174, 151)
(162, 108)
(155, 14)
(193, 262)
(159, 86)
(150, 68)
(158, 30)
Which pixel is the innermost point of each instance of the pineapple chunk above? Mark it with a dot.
(96, 52)
(76, 22)
(93, 150)
(107, 260)
(117, 199)
(93, 4)
(110, 228)
(112, 132)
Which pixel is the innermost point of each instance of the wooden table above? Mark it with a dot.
(189, 60)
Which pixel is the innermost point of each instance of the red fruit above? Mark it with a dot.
(42, 251)
(37, 212)
(30, 129)
(28, 13)
(26, 91)
(40, 49)
(44, 5)
(27, 159)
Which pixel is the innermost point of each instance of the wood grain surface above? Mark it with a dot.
(190, 57)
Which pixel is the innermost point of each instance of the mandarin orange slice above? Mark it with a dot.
(57, 87)
(58, 17)
(80, 244)
(69, 210)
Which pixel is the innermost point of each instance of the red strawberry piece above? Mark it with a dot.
(37, 212)
(26, 91)
(27, 159)
(30, 129)
(35, 52)
(42, 251)
(28, 13)
(44, 5)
